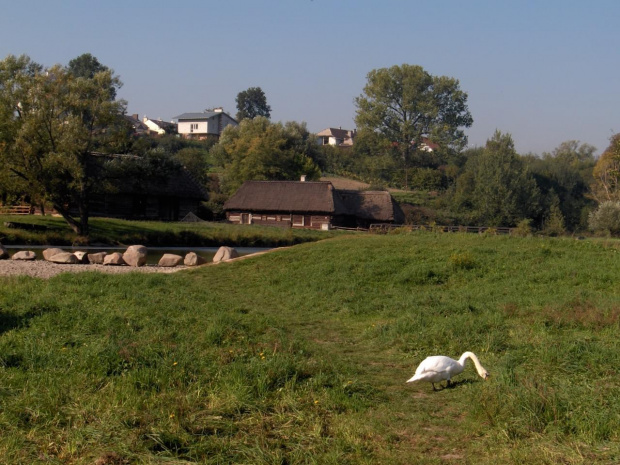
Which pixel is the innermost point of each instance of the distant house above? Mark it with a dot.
(138, 126)
(337, 137)
(204, 125)
(312, 205)
(157, 126)
(167, 197)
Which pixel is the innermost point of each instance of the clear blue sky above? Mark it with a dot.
(545, 71)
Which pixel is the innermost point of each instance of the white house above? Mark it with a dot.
(337, 136)
(205, 124)
(158, 126)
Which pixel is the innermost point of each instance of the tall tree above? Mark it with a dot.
(606, 186)
(86, 66)
(496, 185)
(563, 177)
(409, 106)
(260, 150)
(251, 103)
(50, 121)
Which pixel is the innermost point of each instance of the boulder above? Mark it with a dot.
(49, 253)
(82, 256)
(115, 258)
(170, 260)
(96, 258)
(24, 255)
(193, 259)
(135, 255)
(64, 257)
(4, 254)
(225, 253)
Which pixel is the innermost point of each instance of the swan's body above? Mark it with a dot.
(439, 367)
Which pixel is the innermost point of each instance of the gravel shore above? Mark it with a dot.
(44, 269)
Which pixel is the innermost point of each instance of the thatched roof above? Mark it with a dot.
(314, 197)
(286, 196)
(372, 205)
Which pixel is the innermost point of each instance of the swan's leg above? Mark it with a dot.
(434, 388)
(448, 383)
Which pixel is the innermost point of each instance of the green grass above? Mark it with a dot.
(152, 233)
(301, 356)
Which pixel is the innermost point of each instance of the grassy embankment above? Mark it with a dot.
(55, 231)
(301, 356)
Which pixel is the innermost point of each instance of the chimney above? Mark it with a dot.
(303, 178)
(218, 109)
(136, 116)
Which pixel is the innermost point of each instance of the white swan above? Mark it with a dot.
(438, 367)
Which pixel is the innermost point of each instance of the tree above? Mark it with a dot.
(407, 106)
(563, 177)
(606, 173)
(496, 185)
(86, 66)
(252, 103)
(50, 121)
(260, 150)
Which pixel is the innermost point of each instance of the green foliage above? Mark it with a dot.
(252, 103)
(607, 173)
(564, 177)
(406, 106)
(606, 218)
(260, 150)
(523, 229)
(51, 123)
(496, 186)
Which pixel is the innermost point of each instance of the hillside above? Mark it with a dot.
(301, 356)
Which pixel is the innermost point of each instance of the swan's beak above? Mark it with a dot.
(486, 375)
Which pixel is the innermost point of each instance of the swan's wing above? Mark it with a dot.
(435, 364)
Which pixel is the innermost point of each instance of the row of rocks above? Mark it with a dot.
(135, 256)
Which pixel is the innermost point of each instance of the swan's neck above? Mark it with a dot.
(479, 368)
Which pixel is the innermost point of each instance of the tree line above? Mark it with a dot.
(411, 137)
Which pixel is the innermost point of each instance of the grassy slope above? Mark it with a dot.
(300, 356)
(152, 233)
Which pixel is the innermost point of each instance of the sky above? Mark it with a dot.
(544, 71)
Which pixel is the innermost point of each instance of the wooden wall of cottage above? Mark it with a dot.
(304, 221)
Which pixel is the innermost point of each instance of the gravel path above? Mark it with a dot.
(44, 269)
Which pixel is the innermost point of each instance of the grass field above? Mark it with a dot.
(48, 230)
(301, 356)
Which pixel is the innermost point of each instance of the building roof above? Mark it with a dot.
(163, 124)
(338, 133)
(315, 197)
(205, 115)
(372, 205)
(286, 196)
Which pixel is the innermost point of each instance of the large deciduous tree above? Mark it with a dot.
(50, 122)
(408, 106)
(260, 150)
(252, 103)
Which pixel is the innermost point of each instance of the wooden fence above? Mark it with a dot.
(17, 210)
(385, 228)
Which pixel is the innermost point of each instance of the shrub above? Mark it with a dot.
(606, 218)
(464, 261)
(523, 229)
